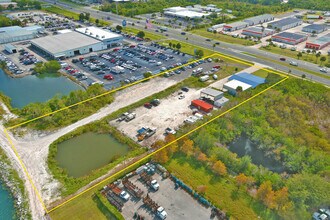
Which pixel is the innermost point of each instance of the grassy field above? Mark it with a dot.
(220, 190)
(289, 53)
(262, 73)
(223, 37)
(148, 34)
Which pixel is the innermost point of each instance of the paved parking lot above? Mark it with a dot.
(178, 204)
(128, 64)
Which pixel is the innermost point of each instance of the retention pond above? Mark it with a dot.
(84, 153)
(29, 89)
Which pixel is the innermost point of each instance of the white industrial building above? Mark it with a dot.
(67, 45)
(16, 33)
(107, 37)
(235, 26)
(285, 24)
(232, 85)
(180, 12)
(259, 19)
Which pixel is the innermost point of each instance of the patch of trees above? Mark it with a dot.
(310, 4)
(28, 4)
(52, 66)
(5, 22)
(84, 16)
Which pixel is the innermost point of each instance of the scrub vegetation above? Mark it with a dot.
(289, 123)
(65, 117)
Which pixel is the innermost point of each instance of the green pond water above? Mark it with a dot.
(29, 89)
(84, 153)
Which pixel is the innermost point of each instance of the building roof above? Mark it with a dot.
(316, 27)
(187, 13)
(233, 84)
(320, 40)
(257, 19)
(284, 22)
(212, 92)
(14, 31)
(289, 35)
(64, 42)
(98, 33)
(64, 31)
(10, 46)
(202, 104)
(237, 24)
(258, 30)
(248, 78)
(221, 101)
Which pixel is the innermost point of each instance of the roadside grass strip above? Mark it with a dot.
(129, 167)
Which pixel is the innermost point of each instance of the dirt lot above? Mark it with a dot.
(178, 204)
(170, 113)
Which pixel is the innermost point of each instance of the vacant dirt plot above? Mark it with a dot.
(171, 112)
(177, 203)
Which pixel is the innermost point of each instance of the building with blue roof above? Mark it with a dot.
(248, 78)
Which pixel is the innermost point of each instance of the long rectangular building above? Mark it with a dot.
(285, 24)
(289, 38)
(319, 43)
(258, 32)
(235, 26)
(67, 45)
(16, 33)
(259, 19)
(315, 28)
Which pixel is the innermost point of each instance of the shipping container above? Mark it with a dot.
(201, 105)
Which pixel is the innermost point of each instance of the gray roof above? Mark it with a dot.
(317, 27)
(290, 35)
(64, 42)
(321, 40)
(258, 29)
(237, 24)
(258, 18)
(284, 22)
(212, 92)
(10, 46)
(14, 31)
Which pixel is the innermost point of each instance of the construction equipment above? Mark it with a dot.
(132, 188)
(114, 200)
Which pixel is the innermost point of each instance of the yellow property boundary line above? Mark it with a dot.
(147, 156)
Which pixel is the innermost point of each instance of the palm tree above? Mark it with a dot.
(214, 45)
(323, 58)
(317, 56)
(299, 55)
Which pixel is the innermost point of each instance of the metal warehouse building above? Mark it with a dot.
(108, 38)
(235, 26)
(289, 38)
(259, 19)
(232, 85)
(16, 33)
(248, 78)
(315, 28)
(211, 94)
(285, 24)
(319, 43)
(67, 45)
(258, 32)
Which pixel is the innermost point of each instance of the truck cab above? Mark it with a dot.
(155, 185)
(161, 213)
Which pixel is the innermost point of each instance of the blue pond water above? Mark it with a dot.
(7, 209)
(29, 89)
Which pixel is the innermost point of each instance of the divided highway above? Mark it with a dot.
(225, 48)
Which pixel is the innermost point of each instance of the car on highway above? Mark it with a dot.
(208, 39)
(324, 70)
(183, 33)
(293, 63)
(217, 43)
(282, 59)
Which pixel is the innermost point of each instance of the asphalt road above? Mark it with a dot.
(225, 48)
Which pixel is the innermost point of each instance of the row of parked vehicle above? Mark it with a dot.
(27, 58)
(12, 67)
(73, 71)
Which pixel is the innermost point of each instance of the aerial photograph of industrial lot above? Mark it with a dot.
(163, 109)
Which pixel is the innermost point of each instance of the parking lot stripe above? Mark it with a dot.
(168, 144)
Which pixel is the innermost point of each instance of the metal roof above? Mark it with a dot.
(257, 19)
(317, 27)
(212, 92)
(248, 78)
(237, 24)
(14, 31)
(290, 35)
(64, 42)
(258, 30)
(284, 22)
(321, 40)
(233, 84)
(98, 33)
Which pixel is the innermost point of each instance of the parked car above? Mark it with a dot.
(108, 77)
(185, 89)
(147, 105)
(155, 185)
(155, 102)
(170, 131)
